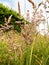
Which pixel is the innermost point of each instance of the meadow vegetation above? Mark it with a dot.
(27, 47)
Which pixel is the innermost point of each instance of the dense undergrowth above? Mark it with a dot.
(14, 50)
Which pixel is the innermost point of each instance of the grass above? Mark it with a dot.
(14, 50)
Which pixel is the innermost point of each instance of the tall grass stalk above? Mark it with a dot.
(32, 47)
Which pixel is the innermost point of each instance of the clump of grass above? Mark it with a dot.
(20, 53)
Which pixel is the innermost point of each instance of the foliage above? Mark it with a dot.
(6, 12)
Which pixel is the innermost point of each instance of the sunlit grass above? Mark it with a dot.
(17, 52)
